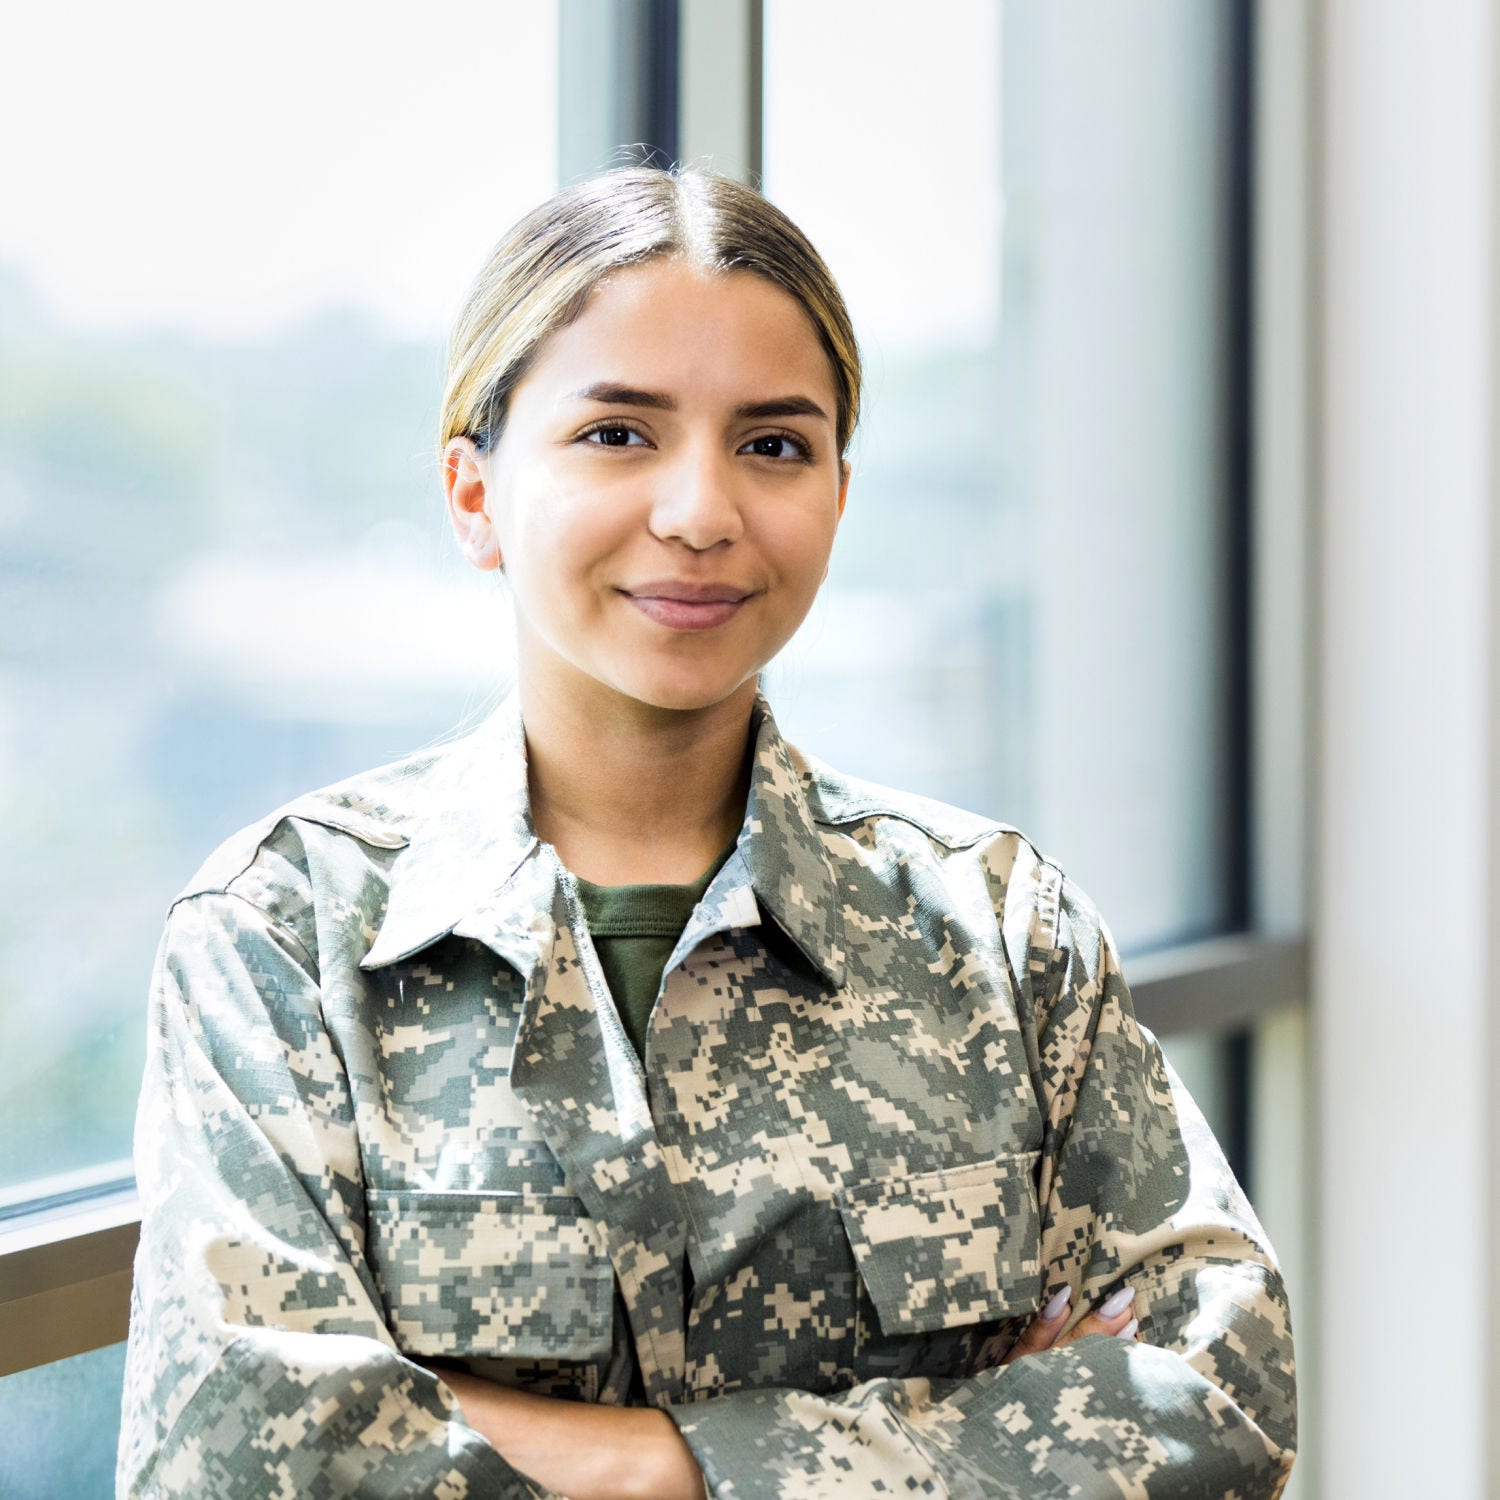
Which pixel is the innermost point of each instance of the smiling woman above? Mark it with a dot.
(664, 534)
(618, 1100)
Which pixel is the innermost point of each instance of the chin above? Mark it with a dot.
(682, 693)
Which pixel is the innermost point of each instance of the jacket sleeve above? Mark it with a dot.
(1133, 1188)
(259, 1361)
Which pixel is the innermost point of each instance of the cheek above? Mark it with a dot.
(564, 537)
(801, 548)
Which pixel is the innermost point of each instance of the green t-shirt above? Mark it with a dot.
(635, 928)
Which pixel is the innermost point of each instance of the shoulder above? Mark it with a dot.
(837, 799)
(900, 854)
(343, 827)
(856, 814)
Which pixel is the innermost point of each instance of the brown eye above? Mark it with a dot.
(779, 445)
(610, 435)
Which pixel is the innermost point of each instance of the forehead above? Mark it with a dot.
(709, 334)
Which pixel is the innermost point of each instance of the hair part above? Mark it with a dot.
(540, 276)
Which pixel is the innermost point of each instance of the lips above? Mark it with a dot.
(690, 593)
(688, 606)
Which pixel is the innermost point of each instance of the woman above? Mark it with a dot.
(618, 1101)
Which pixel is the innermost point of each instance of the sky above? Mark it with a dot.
(229, 169)
(225, 171)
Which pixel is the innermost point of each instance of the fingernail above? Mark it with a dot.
(1118, 1303)
(1128, 1331)
(1054, 1308)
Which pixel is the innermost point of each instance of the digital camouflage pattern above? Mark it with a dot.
(895, 1096)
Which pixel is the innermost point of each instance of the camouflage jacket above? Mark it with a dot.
(894, 1097)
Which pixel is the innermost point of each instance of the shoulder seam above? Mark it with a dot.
(280, 816)
(883, 810)
(365, 836)
(270, 920)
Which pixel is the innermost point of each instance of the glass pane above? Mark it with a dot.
(1026, 615)
(62, 1427)
(227, 268)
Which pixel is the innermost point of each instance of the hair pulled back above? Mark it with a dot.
(540, 275)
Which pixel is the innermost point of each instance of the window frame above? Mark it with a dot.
(694, 93)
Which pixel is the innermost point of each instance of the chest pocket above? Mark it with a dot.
(942, 1249)
(492, 1274)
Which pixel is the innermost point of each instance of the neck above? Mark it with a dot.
(628, 793)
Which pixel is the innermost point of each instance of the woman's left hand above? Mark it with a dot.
(583, 1450)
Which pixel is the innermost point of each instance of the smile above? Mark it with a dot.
(685, 614)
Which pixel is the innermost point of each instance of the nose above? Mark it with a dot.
(695, 501)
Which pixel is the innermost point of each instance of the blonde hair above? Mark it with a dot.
(540, 275)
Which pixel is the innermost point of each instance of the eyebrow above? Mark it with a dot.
(610, 393)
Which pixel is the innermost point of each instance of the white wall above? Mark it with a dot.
(1403, 911)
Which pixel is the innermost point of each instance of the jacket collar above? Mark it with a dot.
(471, 831)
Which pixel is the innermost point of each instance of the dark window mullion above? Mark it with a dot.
(1238, 1045)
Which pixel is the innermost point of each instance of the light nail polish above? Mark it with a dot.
(1128, 1331)
(1056, 1305)
(1118, 1303)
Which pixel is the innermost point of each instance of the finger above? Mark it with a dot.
(1040, 1332)
(1115, 1317)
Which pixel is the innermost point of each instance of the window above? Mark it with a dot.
(225, 575)
(1032, 607)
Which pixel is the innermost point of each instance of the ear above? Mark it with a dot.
(466, 486)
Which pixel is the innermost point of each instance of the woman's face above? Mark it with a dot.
(665, 492)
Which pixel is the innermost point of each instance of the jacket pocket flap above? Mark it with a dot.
(940, 1249)
(494, 1274)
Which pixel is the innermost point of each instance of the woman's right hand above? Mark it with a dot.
(1115, 1316)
